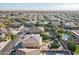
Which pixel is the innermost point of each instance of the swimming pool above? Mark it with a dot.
(65, 37)
(13, 52)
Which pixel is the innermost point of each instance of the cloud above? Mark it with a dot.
(70, 7)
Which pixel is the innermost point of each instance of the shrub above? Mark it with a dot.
(44, 36)
(56, 45)
(72, 47)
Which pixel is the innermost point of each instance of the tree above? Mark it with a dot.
(10, 36)
(2, 25)
(8, 22)
(44, 36)
(67, 32)
(46, 29)
(12, 20)
(55, 45)
(70, 43)
(71, 47)
(37, 24)
(61, 24)
(59, 32)
(52, 32)
(21, 20)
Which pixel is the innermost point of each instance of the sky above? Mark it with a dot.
(39, 6)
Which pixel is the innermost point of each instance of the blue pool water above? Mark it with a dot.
(65, 37)
(19, 45)
(13, 52)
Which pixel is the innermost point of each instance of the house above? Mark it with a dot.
(32, 40)
(69, 25)
(36, 29)
(25, 51)
(55, 23)
(2, 19)
(2, 35)
(15, 24)
(3, 32)
(75, 33)
(33, 29)
(15, 30)
(29, 45)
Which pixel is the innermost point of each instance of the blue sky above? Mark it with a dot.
(39, 6)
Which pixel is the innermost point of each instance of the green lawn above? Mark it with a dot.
(77, 50)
